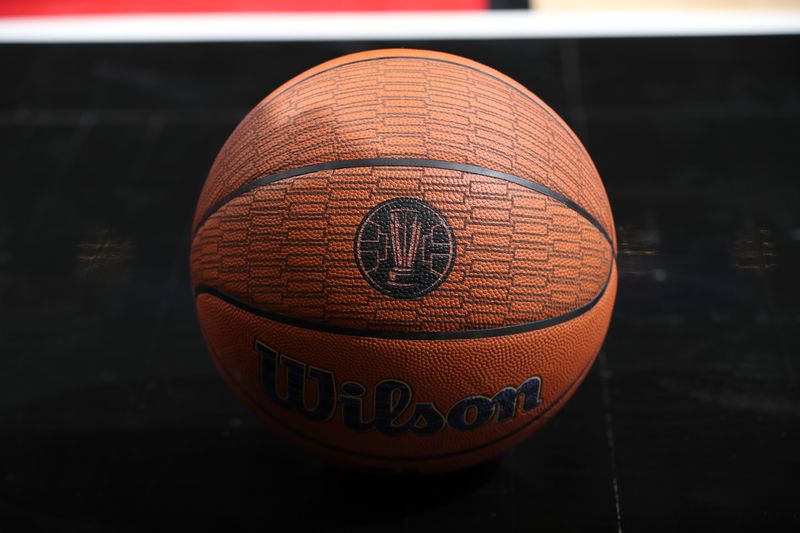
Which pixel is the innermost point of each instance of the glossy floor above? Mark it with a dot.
(113, 418)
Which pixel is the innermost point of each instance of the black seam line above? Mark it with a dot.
(433, 457)
(404, 162)
(406, 335)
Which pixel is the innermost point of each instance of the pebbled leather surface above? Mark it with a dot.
(442, 372)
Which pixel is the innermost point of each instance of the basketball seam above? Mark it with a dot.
(405, 162)
(571, 135)
(582, 374)
(407, 335)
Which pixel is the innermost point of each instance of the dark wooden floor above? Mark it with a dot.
(113, 418)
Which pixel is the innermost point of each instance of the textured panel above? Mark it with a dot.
(441, 372)
(388, 104)
(287, 247)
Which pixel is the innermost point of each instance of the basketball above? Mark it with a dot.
(403, 260)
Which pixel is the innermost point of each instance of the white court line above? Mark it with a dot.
(394, 26)
(605, 375)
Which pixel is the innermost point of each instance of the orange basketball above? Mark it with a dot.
(403, 259)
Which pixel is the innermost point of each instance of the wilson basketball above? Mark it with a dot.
(403, 259)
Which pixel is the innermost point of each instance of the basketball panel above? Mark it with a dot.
(444, 374)
(407, 104)
(515, 256)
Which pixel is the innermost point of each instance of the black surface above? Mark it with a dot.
(113, 418)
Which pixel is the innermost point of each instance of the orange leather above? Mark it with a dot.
(285, 249)
(442, 372)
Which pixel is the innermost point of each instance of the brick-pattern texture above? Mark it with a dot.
(288, 247)
(432, 106)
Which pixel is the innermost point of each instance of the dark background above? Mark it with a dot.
(113, 418)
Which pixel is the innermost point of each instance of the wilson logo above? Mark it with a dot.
(289, 383)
